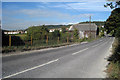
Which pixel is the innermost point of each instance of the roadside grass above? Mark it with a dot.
(8, 49)
(38, 44)
(113, 69)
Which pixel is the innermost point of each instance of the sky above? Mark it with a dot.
(21, 15)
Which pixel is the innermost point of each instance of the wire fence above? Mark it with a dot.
(12, 40)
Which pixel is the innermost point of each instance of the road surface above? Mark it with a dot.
(86, 60)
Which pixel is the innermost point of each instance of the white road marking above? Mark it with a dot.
(80, 51)
(31, 68)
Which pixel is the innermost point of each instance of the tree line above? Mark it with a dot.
(112, 26)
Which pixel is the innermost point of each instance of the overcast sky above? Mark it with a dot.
(25, 13)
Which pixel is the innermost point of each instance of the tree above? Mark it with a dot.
(118, 33)
(97, 33)
(37, 32)
(63, 29)
(76, 34)
(56, 33)
(113, 22)
(113, 4)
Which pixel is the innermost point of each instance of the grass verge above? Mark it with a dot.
(113, 70)
(38, 46)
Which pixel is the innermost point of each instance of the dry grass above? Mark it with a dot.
(113, 70)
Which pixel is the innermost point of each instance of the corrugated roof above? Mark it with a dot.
(86, 27)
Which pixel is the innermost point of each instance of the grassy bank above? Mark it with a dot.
(8, 49)
(113, 70)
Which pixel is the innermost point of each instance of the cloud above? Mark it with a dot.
(88, 6)
(41, 16)
(53, 0)
(49, 13)
(22, 18)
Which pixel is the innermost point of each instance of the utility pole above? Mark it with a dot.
(90, 25)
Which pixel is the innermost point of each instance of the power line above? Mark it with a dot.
(74, 8)
(71, 7)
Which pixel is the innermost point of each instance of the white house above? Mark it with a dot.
(52, 30)
(15, 32)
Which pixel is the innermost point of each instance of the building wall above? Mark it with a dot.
(92, 33)
(81, 34)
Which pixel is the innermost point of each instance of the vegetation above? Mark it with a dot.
(37, 32)
(56, 26)
(114, 66)
(113, 5)
(22, 36)
(76, 34)
(113, 22)
(112, 27)
(38, 37)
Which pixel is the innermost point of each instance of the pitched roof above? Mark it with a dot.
(86, 27)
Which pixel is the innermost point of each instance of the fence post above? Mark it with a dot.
(9, 40)
(58, 39)
(31, 41)
(67, 40)
(47, 40)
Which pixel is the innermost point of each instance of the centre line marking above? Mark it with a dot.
(80, 51)
(31, 68)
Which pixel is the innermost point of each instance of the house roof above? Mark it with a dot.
(85, 27)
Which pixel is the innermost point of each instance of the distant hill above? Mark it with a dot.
(54, 26)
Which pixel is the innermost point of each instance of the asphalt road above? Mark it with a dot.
(86, 60)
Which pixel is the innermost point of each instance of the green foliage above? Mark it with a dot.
(56, 26)
(22, 36)
(63, 29)
(38, 32)
(114, 66)
(114, 72)
(112, 5)
(76, 34)
(112, 26)
(56, 33)
(113, 22)
(118, 33)
(63, 37)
